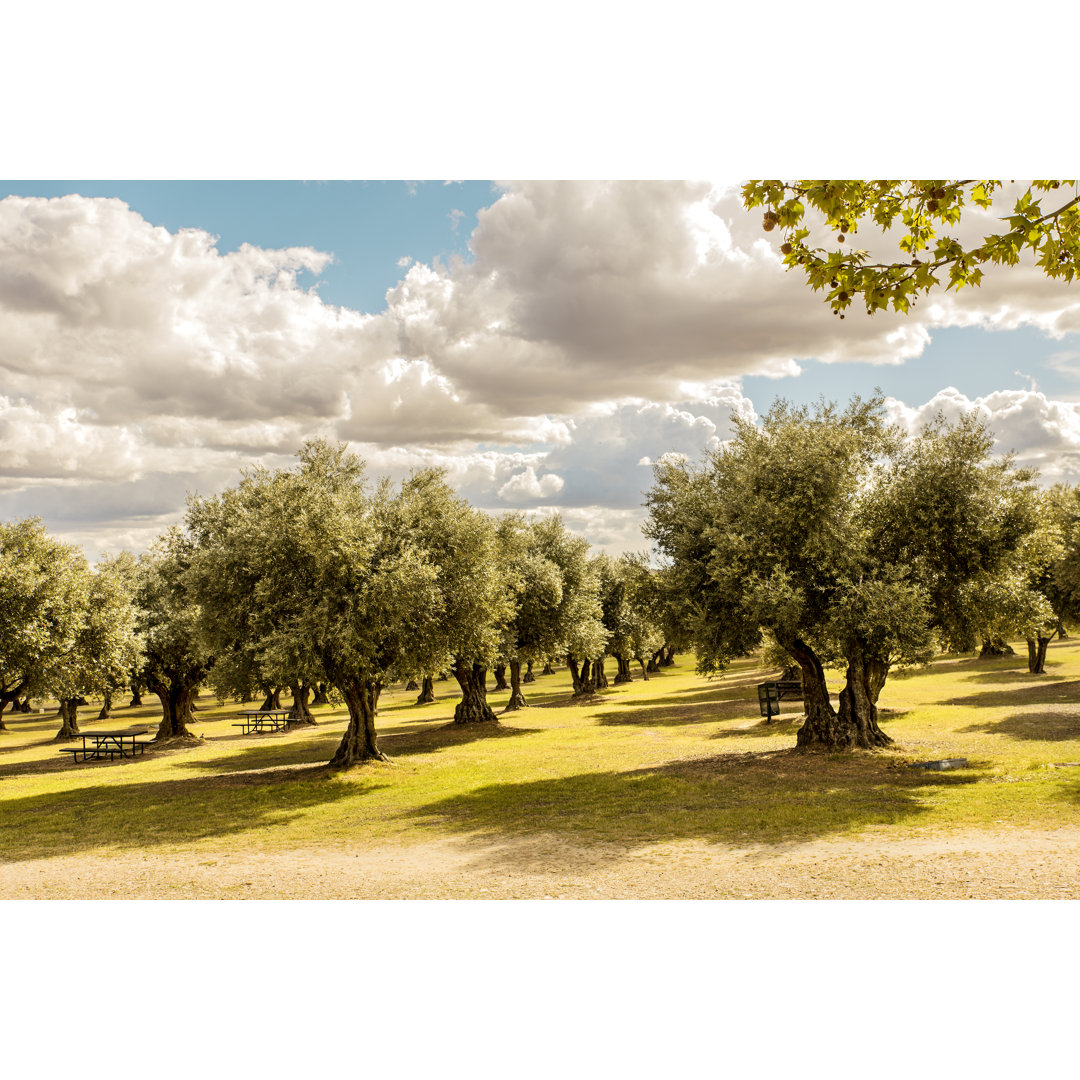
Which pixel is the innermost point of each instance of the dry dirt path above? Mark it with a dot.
(1003, 864)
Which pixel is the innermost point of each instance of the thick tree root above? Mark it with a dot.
(177, 742)
(343, 761)
(472, 712)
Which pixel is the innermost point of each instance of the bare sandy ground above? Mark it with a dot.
(1002, 864)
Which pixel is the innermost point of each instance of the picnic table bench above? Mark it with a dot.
(263, 720)
(98, 745)
(770, 694)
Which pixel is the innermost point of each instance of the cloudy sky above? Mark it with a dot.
(544, 341)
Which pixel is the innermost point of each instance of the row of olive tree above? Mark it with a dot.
(849, 545)
(66, 629)
(822, 529)
(315, 573)
(314, 576)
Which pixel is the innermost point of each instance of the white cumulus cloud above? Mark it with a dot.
(596, 326)
(1044, 433)
(526, 485)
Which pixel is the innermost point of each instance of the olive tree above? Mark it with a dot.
(764, 534)
(117, 642)
(1005, 605)
(359, 584)
(534, 589)
(627, 612)
(955, 516)
(572, 626)
(878, 622)
(107, 645)
(43, 592)
(176, 659)
(462, 544)
(1061, 582)
(325, 580)
(240, 614)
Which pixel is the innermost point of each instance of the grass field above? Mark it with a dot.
(678, 764)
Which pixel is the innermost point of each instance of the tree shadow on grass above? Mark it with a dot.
(754, 798)
(427, 740)
(142, 815)
(63, 763)
(1034, 727)
(971, 667)
(44, 727)
(788, 724)
(1016, 675)
(655, 714)
(711, 687)
(758, 729)
(274, 752)
(11, 749)
(742, 681)
(320, 746)
(1054, 692)
(696, 694)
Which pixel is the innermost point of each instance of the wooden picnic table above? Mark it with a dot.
(263, 720)
(101, 744)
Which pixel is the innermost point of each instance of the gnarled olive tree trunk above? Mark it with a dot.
(528, 676)
(499, 671)
(577, 672)
(69, 720)
(858, 700)
(272, 699)
(856, 722)
(623, 673)
(517, 698)
(9, 695)
(473, 707)
(821, 727)
(588, 677)
(427, 691)
(1037, 655)
(299, 712)
(106, 706)
(548, 669)
(176, 700)
(359, 742)
(599, 678)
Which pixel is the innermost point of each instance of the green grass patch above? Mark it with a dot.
(677, 757)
